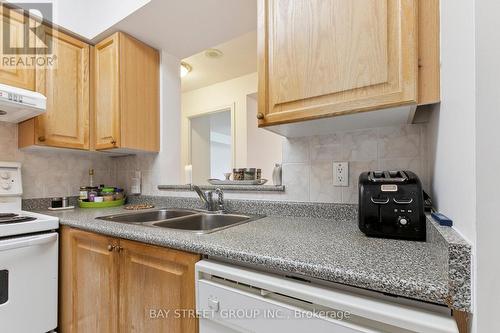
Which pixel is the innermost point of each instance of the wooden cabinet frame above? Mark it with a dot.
(125, 280)
(411, 76)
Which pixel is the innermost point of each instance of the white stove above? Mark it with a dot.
(28, 260)
(20, 222)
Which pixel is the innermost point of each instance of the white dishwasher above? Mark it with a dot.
(234, 299)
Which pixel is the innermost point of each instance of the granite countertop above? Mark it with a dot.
(324, 248)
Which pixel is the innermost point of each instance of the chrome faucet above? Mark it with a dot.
(207, 198)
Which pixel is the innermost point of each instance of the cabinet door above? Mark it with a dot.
(152, 279)
(66, 86)
(14, 75)
(320, 58)
(89, 283)
(107, 98)
(139, 95)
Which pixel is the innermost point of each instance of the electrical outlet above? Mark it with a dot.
(341, 174)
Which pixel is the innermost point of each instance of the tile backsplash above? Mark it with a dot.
(307, 165)
(308, 161)
(49, 173)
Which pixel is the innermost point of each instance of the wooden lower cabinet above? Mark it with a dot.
(89, 276)
(153, 279)
(113, 285)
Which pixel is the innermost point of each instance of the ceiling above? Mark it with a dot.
(183, 28)
(239, 58)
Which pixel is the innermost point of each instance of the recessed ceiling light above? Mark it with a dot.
(213, 53)
(185, 68)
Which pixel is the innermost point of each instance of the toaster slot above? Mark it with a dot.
(396, 176)
(380, 200)
(402, 201)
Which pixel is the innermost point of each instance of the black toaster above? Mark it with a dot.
(391, 205)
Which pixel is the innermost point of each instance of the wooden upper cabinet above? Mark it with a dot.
(107, 93)
(127, 113)
(89, 282)
(17, 76)
(156, 278)
(66, 86)
(322, 58)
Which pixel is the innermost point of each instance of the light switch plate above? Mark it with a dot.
(341, 174)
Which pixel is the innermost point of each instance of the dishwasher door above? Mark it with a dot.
(227, 310)
(235, 299)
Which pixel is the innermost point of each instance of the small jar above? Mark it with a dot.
(250, 174)
(84, 193)
(238, 174)
(92, 193)
(108, 193)
(119, 194)
(56, 203)
(258, 174)
(108, 196)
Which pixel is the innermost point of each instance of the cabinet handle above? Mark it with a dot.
(119, 248)
(41, 138)
(111, 247)
(260, 116)
(113, 142)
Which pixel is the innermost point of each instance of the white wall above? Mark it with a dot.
(217, 97)
(88, 18)
(451, 130)
(487, 165)
(200, 140)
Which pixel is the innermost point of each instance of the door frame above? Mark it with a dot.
(229, 107)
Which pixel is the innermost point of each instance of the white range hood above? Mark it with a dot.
(17, 105)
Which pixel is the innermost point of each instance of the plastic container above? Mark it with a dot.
(107, 189)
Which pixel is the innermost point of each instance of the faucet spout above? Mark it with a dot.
(211, 204)
(202, 195)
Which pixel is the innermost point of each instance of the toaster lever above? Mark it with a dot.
(380, 201)
(403, 201)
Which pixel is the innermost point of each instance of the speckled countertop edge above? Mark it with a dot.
(459, 266)
(456, 294)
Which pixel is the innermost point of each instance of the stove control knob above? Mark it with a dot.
(403, 221)
(5, 175)
(5, 186)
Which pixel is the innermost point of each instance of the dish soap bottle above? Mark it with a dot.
(277, 175)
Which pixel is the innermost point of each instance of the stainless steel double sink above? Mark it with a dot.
(196, 221)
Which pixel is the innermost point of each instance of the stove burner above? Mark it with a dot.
(7, 218)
